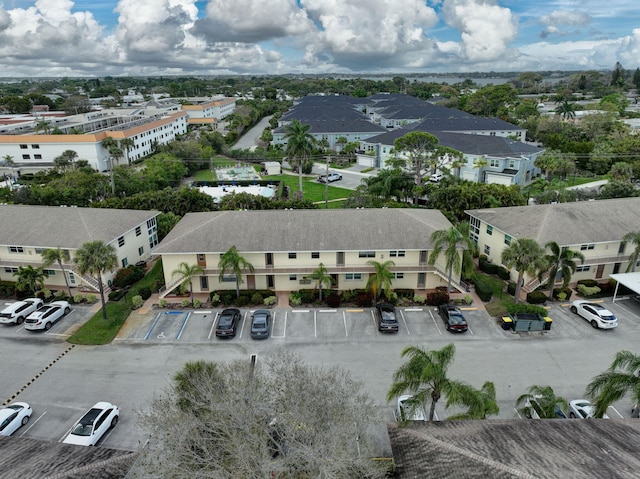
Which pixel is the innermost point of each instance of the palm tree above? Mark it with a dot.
(30, 279)
(545, 398)
(480, 164)
(524, 255)
(560, 260)
(633, 238)
(299, 145)
(449, 241)
(8, 160)
(71, 156)
(381, 279)
(322, 277)
(94, 258)
(126, 144)
(42, 125)
(622, 377)
(425, 377)
(186, 273)
(566, 110)
(480, 402)
(50, 256)
(234, 262)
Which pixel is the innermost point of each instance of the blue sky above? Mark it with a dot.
(153, 37)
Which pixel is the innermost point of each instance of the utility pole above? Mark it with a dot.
(113, 182)
(326, 186)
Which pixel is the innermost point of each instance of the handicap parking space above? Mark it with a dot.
(167, 326)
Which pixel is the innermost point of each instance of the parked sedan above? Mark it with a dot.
(93, 425)
(13, 417)
(453, 318)
(260, 324)
(582, 409)
(46, 316)
(387, 321)
(330, 178)
(596, 314)
(228, 323)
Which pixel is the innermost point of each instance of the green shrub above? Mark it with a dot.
(294, 298)
(79, 297)
(145, 292)
(228, 298)
(348, 295)
(503, 273)
(404, 293)
(270, 300)
(566, 292)
(536, 297)
(333, 300)
(587, 291)
(137, 302)
(483, 290)
(307, 296)
(215, 299)
(256, 298)
(468, 299)
(185, 302)
(420, 299)
(117, 295)
(196, 303)
(163, 303)
(242, 301)
(46, 294)
(589, 283)
(91, 299)
(526, 308)
(127, 276)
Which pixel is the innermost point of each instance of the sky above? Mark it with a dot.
(56, 38)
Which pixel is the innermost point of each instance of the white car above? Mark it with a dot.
(582, 409)
(13, 416)
(46, 316)
(93, 425)
(17, 312)
(596, 314)
(329, 178)
(436, 177)
(406, 411)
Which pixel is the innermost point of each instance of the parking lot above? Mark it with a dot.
(62, 381)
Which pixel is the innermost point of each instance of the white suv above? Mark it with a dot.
(17, 312)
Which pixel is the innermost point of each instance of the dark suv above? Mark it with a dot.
(387, 321)
(227, 323)
(453, 318)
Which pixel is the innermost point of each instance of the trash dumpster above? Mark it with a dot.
(507, 323)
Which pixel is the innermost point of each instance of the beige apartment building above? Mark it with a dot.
(594, 228)
(29, 230)
(286, 246)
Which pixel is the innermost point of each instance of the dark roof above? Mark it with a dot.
(457, 120)
(35, 459)
(503, 448)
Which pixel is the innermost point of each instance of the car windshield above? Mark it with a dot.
(456, 318)
(225, 320)
(85, 425)
(259, 323)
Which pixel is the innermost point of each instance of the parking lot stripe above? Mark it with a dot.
(344, 321)
(315, 325)
(435, 323)
(299, 310)
(184, 324)
(405, 323)
(32, 423)
(413, 309)
(213, 325)
(617, 412)
(284, 331)
(153, 326)
(243, 321)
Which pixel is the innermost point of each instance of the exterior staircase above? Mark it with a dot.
(88, 280)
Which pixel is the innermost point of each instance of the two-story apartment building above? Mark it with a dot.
(286, 246)
(202, 111)
(29, 230)
(594, 228)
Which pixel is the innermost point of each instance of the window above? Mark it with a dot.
(474, 230)
(494, 163)
(582, 269)
(293, 277)
(121, 241)
(229, 278)
(35, 147)
(23, 147)
(340, 258)
(315, 255)
(489, 230)
(585, 247)
(423, 256)
(26, 157)
(268, 259)
(39, 250)
(37, 157)
(366, 254)
(16, 249)
(398, 275)
(622, 247)
(487, 250)
(141, 251)
(49, 272)
(204, 282)
(293, 255)
(353, 276)
(397, 254)
(138, 231)
(10, 270)
(124, 262)
(507, 239)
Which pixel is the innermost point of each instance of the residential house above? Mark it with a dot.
(286, 246)
(29, 230)
(594, 228)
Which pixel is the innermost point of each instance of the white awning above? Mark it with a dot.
(630, 280)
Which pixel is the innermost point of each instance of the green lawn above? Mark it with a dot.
(97, 330)
(497, 307)
(313, 190)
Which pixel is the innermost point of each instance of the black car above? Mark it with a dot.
(260, 324)
(453, 318)
(228, 323)
(387, 321)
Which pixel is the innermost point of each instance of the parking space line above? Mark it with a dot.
(32, 423)
(153, 326)
(344, 322)
(435, 322)
(517, 413)
(213, 325)
(315, 324)
(413, 309)
(617, 412)
(373, 318)
(405, 323)
(244, 320)
(284, 331)
(184, 324)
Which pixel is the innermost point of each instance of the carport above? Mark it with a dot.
(630, 280)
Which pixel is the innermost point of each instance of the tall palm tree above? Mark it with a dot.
(126, 144)
(299, 145)
(449, 241)
(481, 164)
(425, 377)
(322, 277)
(50, 256)
(566, 110)
(634, 238)
(381, 279)
(622, 377)
(545, 398)
(30, 279)
(480, 403)
(8, 160)
(114, 152)
(560, 260)
(234, 262)
(94, 258)
(524, 255)
(71, 156)
(186, 272)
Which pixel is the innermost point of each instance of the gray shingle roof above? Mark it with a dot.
(304, 230)
(54, 226)
(579, 222)
(497, 448)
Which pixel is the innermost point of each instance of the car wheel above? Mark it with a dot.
(114, 421)
(574, 310)
(25, 420)
(594, 324)
(67, 310)
(47, 326)
(572, 416)
(20, 320)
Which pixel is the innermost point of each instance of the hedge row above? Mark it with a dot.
(492, 268)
